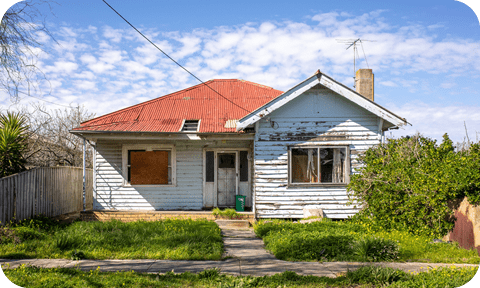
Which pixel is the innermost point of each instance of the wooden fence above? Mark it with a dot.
(50, 191)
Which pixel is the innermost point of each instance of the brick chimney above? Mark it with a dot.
(364, 83)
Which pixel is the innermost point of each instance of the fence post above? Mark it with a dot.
(84, 164)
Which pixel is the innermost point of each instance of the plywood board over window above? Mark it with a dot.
(149, 167)
(149, 164)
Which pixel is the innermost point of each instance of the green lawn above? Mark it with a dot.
(363, 277)
(348, 241)
(168, 239)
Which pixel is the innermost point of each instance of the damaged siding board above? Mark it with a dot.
(317, 118)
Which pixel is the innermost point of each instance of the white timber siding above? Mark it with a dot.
(318, 117)
(187, 194)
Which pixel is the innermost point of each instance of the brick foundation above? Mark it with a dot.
(128, 216)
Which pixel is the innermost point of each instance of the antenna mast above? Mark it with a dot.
(354, 43)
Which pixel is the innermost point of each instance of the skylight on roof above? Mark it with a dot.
(190, 126)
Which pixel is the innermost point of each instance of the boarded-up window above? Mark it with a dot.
(244, 166)
(209, 166)
(149, 167)
(317, 165)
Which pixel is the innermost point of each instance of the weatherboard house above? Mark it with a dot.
(199, 147)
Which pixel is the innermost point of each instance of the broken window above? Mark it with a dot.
(190, 126)
(314, 165)
(149, 167)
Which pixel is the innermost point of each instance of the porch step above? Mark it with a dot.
(233, 224)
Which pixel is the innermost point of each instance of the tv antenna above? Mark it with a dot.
(354, 43)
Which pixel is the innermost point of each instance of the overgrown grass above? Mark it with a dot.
(327, 240)
(168, 239)
(365, 276)
(228, 213)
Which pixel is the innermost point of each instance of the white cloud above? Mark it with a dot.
(447, 85)
(62, 67)
(388, 83)
(112, 34)
(436, 120)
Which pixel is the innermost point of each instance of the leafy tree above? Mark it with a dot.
(13, 143)
(19, 47)
(410, 183)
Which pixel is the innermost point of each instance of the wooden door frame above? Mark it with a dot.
(217, 151)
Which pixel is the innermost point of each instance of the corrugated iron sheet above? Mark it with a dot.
(166, 113)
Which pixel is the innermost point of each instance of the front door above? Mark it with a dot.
(227, 179)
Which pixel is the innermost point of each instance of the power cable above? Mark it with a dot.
(173, 59)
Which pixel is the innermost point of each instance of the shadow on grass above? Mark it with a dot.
(15, 256)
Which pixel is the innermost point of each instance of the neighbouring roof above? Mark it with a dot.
(167, 113)
(324, 80)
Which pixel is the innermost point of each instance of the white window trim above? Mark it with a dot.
(324, 184)
(190, 132)
(149, 147)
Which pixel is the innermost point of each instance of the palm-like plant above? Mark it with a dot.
(13, 142)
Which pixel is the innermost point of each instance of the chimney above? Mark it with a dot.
(364, 83)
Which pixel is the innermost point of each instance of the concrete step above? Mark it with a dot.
(233, 224)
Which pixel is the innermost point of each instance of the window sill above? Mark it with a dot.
(148, 185)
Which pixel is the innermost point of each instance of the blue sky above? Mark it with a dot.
(426, 54)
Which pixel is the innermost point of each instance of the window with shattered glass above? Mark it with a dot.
(315, 165)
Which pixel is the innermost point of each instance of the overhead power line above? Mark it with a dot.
(172, 58)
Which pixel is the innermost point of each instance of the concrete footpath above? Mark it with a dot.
(245, 255)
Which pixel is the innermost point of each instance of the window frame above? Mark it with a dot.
(319, 184)
(149, 147)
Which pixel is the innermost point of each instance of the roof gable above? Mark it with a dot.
(167, 113)
(330, 83)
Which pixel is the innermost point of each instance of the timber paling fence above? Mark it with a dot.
(49, 191)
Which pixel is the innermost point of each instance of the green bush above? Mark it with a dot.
(66, 242)
(407, 183)
(28, 233)
(13, 143)
(308, 245)
(377, 275)
(376, 249)
(228, 213)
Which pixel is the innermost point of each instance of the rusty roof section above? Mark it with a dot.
(166, 113)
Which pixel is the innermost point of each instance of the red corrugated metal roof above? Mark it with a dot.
(166, 113)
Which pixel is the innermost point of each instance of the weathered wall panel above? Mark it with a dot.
(318, 117)
(186, 195)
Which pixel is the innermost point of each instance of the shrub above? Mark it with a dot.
(306, 245)
(77, 255)
(67, 242)
(13, 137)
(27, 233)
(228, 213)
(377, 275)
(376, 249)
(406, 183)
